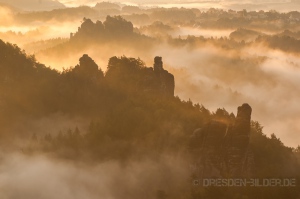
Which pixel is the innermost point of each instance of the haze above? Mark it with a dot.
(87, 104)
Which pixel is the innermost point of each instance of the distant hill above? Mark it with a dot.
(107, 36)
(289, 33)
(64, 14)
(284, 43)
(34, 5)
(245, 35)
(11, 8)
(107, 5)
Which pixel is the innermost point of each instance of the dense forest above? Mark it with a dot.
(133, 116)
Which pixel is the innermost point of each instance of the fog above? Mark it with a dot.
(185, 31)
(6, 17)
(22, 33)
(27, 177)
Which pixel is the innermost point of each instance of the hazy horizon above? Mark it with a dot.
(281, 5)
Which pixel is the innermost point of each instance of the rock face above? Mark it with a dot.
(223, 151)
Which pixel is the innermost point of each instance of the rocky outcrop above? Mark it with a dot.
(87, 70)
(222, 150)
(134, 76)
(157, 80)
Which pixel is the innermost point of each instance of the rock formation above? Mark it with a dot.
(237, 146)
(222, 150)
(166, 80)
(113, 27)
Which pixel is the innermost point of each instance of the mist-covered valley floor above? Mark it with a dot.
(117, 101)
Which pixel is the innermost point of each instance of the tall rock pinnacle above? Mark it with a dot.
(223, 150)
(158, 64)
(243, 119)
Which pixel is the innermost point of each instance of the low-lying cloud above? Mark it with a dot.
(28, 177)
